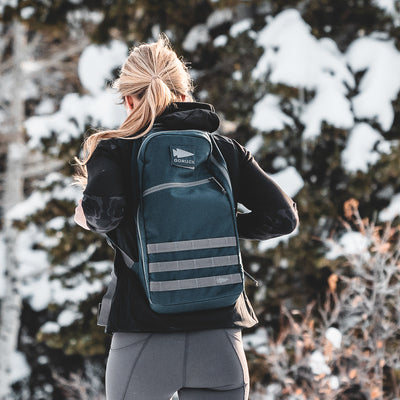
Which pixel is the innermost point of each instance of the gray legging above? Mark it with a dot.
(199, 365)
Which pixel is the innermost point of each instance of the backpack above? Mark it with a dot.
(189, 255)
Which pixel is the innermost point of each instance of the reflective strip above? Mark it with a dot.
(184, 245)
(193, 264)
(105, 305)
(195, 283)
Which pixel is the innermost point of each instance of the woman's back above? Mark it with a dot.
(155, 87)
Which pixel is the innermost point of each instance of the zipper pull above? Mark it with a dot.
(218, 184)
(255, 281)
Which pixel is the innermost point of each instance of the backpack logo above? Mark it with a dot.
(183, 156)
(221, 280)
(179, 153)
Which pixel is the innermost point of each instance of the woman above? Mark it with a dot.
(198, 354)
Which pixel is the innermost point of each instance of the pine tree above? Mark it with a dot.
(222, 42)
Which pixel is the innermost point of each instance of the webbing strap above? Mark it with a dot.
(105, 305)
(195, 283)
(193, 264)
(184, 245)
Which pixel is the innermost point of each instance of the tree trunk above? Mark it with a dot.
(10, 299)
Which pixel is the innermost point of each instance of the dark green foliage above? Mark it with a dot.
(345, 20)
(293, 273)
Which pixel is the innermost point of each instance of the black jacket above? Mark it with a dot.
(110, 201)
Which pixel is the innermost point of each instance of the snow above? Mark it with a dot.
(257, 340)
(380, 84)
(318, 364)
(237, 75)
(39, 199)
(67, 317)
(197, 35)
(274, 390)
(2, 266)
(36, 201)
(265, 245)
(16, 151)
(36, 286)
(279, 162)
(75, 112)
(56, 223)
(76, 259)
(255, 144)
(392, 210)
(360, 149)
(294, 57)
(350, 243)
(32, 245)
(42, 359)
(46, 106)
(99, 108)
(31, 88)
(268, 116)
(33, 268)
(76, 18)
(334, 336)
(289, 180)
(334, 382)
(19, 367)
(220, 41)
(50, 327)
(3, 117)
(80, 292)
(27, 12)
(31, 261)
(155, 31)
(329, 105)
(50, 179)
(389, 6)
(4, 3)
(219, 17)
(101, 266)
(96, 63)
(36, 291)
(240, 27)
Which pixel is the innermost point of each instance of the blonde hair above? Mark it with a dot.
(155, 75)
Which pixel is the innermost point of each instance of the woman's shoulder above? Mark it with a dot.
(230, 148)
(113, 147)
(110, 144)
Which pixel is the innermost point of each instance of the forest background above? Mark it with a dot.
(310, 87)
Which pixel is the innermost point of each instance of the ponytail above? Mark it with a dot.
(156, 77)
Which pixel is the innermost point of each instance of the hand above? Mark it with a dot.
(79, 216)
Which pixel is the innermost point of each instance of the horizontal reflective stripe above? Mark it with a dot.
(184, 245)
(195, 283)
(193, 264)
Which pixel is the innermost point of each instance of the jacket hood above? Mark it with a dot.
(189, 115)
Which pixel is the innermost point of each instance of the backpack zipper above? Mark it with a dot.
(152, 134)
(141, 247)
(255, 281)
(218, 184)
(170, 185)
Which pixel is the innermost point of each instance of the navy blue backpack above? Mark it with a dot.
(189, 255)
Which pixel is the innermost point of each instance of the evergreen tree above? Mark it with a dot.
(291, 80)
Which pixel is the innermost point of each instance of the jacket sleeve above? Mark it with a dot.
(273, 212)
(104, 200)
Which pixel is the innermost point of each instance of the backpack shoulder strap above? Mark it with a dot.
(217, 159)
